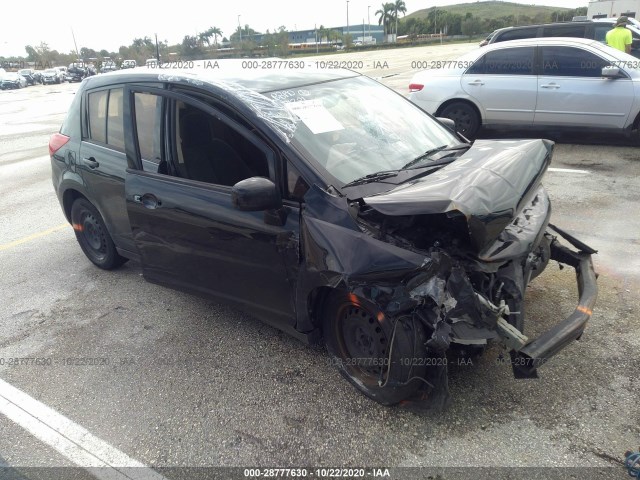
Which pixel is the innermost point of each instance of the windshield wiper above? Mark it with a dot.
(372, 177)
(429, 153)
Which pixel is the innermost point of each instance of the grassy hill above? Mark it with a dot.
(490, 9)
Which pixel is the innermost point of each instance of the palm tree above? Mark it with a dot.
(204, 37)
(399, 7)
(385, 16)
(215, 31)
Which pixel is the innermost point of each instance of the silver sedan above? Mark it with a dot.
(543, 83)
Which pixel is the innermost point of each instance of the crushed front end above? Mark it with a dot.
(447, 259)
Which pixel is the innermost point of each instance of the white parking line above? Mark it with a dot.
(568, 170)
(71, 440)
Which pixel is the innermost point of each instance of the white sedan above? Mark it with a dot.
(542, 83)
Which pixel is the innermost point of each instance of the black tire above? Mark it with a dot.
(358, 339)
(93, 236)
(465, 116)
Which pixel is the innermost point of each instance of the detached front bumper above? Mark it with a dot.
(537, 352)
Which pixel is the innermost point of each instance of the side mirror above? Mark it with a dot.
(611, 72)
(255, 194)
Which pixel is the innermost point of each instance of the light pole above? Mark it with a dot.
(369, 20)
(347, 17)
(239, 29)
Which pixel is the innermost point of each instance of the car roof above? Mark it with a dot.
(536, 25)
(226, 75)
(542, 41)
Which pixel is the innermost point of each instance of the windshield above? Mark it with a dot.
(355, 127)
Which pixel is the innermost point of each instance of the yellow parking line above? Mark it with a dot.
(33, 236)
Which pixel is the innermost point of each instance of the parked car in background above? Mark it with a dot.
(13, 80)
(76, 72)
(107, 67)
(29, 75)
(326, 204)
(52, 75)
(592, 29)
(543, 83)
(129, 64)
(37, 76)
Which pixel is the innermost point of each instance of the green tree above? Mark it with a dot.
(216, 32)
(399, 7)
(204, 37)
(32, 54)
(471, 26)
(190, 48)
(385, 14)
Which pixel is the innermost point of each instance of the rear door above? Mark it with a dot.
(504, 85)
(103, 163)
(187, 232)
(572, 91)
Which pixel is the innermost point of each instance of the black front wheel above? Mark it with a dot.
(383, 358)
(93, 236)
(465, 116)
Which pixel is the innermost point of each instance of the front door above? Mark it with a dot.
(184, 225)
(572, 91)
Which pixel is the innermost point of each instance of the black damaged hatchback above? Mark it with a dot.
(327, 205)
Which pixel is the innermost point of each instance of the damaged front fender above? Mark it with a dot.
(438, 297)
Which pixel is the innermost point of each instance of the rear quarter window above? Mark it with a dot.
(105, 117)
(506, 61)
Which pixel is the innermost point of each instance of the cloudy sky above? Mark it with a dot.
(113, 23)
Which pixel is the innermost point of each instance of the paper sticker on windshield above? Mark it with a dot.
(315, 116)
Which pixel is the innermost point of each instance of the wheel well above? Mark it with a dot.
(316, 302)
(636, 122)
(68, 198)
(459, 100)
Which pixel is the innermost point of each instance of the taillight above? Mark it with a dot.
(56, 142)
(415, 87)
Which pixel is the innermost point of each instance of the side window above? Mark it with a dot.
(508, 61)
(518, 34)
(148, 108)
(600, 32)
(106, 123)
(564, 31)
(209, 150)
(571, 62)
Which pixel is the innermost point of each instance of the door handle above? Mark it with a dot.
(550, 85)
(90, 162)
(476, 83)
(148, 200)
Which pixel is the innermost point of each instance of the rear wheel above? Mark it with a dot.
(466, 118)
(384, 359)
(93, 236)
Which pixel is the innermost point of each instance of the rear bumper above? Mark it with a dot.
(540, 350)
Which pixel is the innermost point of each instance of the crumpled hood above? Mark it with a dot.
(489, 184)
